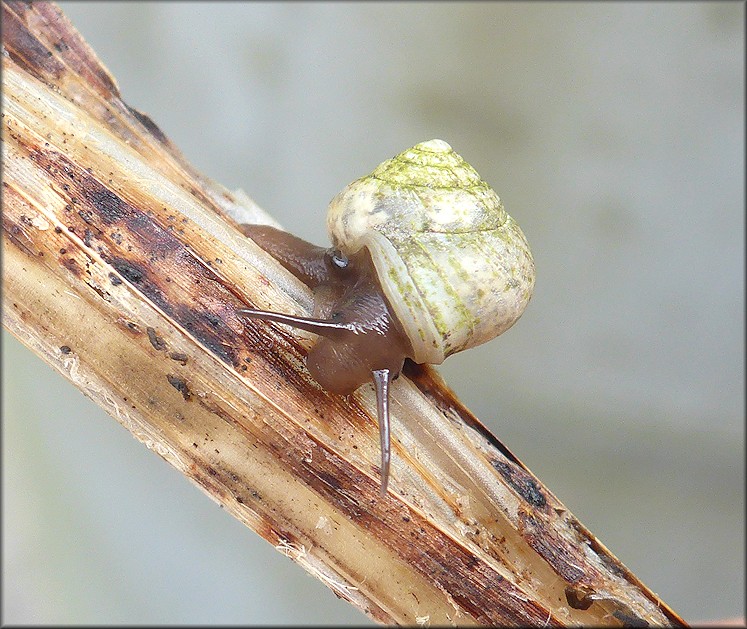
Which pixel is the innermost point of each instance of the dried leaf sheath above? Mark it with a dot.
(124, 270)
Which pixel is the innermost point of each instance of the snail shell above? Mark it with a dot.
(454, 266)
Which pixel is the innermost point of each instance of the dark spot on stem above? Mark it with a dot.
(109, 206)
(178, 357)
(524, 485)
(128, 270)
(71, 265)
(151, 126)
(156, 341)
(180, 385)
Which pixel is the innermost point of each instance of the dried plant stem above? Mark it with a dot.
(123, 268)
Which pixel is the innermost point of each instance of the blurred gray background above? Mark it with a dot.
(614, 133)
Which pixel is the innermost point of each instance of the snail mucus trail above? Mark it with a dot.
(425, 262)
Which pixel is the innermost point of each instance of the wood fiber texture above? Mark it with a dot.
(123, 268)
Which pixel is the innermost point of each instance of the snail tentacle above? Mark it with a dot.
(322, 327)
(382, 378)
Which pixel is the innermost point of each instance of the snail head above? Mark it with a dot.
(360, 339)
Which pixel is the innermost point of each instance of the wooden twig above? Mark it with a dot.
(123, 269)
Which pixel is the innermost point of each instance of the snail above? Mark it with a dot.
(425, 262)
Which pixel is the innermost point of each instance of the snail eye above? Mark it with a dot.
(339, 259)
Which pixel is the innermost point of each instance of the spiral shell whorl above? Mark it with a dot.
(454, 266)
(428, 188)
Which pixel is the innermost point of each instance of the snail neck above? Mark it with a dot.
(370, 338)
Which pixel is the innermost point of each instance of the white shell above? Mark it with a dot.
(454, 266)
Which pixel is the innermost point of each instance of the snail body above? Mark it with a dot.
(425, 262)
